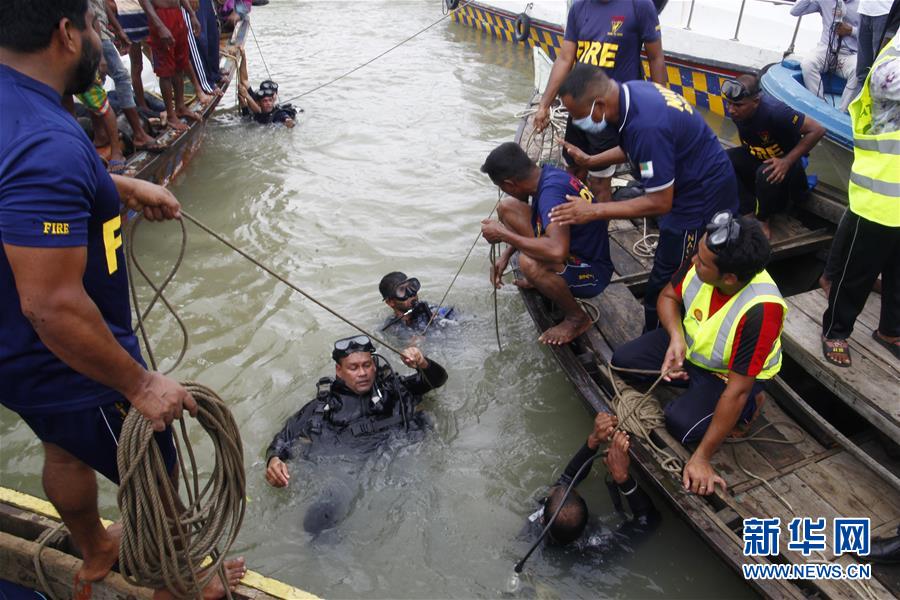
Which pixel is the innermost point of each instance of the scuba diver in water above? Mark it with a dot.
(571, 524)
(360, 407)
(401, 293)
(262, 106)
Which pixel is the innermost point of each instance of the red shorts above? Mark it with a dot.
(170, 60)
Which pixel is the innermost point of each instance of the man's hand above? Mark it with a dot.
(604, 426)
(576, 212)
(579, 156)
(122, 43)
(843, 30)
(289, 123)
(277, 473)
(156, 202)
(700, 477)
(164, 35)
(776, 170)
(541, 118)
(161, 399)
(497, 270)
(674, 359)
(413, 358)
(493, 231)
(195, 25)
(617, 459)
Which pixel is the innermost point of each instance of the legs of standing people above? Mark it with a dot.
(208, 42)
(675, 246)
(812, 66)
(545, 278)
(870, 31)
(773, 198)
(846, 68)
(137, 68)
(836, 252)
(124, 91)
(871, 249)
(197, 72)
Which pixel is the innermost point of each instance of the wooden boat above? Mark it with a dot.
(825, 473)
(161, 168)
(26, 521)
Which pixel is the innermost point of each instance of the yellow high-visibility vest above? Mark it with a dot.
(874, 191)
(710, 339)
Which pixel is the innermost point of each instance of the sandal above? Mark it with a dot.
(81, 590)
(154, 147)
(892, 347)
(117, 167)
(832, 348)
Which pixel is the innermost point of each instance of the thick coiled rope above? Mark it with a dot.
(548, 151)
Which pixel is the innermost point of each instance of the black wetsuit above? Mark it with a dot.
(279, 114)
(644, 520)
(344, 418)
(420, 316)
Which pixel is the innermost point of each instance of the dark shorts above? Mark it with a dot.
(92, 436)
(592, 144)
(584, 279)
(135, 25)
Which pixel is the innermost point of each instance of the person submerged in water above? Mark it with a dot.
(364, 402)
(401, 293)
(262, 106)
(571, 525)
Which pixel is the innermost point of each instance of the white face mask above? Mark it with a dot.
(588, 124)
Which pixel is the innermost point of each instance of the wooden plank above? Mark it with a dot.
(619, 312)
(814, 303)
(866, 387)
(623, 262)
(853, 489)
(627, 238)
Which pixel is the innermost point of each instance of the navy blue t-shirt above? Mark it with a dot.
(670, 143)
(610, 34)
(772, 131)
(54, 193)
(588, 242)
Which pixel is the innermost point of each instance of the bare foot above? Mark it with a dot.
(568, 330)
(523, 283)
(204, 98)
(189, 115)
(235, 569)
(103, 556)
(175, 123)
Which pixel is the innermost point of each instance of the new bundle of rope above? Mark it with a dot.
(165, 541)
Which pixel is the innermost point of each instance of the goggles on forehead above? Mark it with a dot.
(347, 346)
(268, 88)
(735, 91)
(407, 289)
(722, 231)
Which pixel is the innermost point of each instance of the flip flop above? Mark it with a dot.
(892, 347)
(117, 167)
(153, 147)
(836, 347)
(81, 590)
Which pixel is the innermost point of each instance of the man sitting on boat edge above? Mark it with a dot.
(561, 262)
(774, 139)
(572, 521)
(722, 317)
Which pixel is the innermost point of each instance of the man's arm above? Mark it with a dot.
(653, 204)
(699, 476)
(53, 299)
(195, 23)
(156, 23)
(613, 156)
(552, 247)
(428, 378)
(805, 7)
(112, 16)
(668, 308)
(562, 66)
(811, 132)
(657, 61)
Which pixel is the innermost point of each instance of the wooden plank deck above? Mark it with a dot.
(812, 479)
(871, 387)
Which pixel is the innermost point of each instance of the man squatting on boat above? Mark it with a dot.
(70, 362)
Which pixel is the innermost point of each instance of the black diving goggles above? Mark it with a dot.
(735, 91)
(406, 290)
(347, 346)
(722, 231)
(268, 88)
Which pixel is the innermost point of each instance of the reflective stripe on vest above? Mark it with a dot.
(708, 337)
(874, 187)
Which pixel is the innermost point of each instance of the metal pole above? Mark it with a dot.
(790, 49)
(740, 16)
(690, 16)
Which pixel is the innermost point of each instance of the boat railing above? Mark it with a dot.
(740, 18)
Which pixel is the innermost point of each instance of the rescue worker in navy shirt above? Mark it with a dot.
(774, 138)
(608, 34)
(359, 407)
(686, 174)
